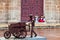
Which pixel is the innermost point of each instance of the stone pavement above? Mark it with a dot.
(27, 38)
(50, 34)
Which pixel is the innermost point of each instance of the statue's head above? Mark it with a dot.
(30, 17)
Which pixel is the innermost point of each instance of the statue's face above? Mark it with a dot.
(30, 14)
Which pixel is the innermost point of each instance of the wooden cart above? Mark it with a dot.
(18, 30)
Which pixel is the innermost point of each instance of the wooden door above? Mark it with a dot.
(34, 7)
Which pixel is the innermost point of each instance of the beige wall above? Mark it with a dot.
(3, 11)
(15, 11)
(51, 11)
(10, 11)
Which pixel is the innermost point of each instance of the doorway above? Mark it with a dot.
(34, 7)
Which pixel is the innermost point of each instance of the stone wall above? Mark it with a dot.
(51, 11)
(14, 11)
(3, 11)
(58, 10)
(10, 11)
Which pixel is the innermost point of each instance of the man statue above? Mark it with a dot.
(32, 26)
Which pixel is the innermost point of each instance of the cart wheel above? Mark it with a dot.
(16, 35)
(7, 34)
(23, 34)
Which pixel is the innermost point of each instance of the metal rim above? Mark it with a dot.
(7, 34)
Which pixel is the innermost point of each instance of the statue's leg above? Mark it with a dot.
(31, 31)
(34, 33)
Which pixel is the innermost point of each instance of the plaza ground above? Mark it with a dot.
(50, 33)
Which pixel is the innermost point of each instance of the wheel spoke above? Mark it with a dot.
(16, 35)
(23, 34)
